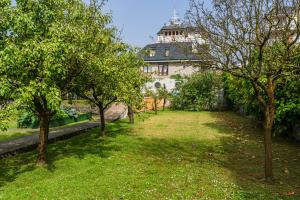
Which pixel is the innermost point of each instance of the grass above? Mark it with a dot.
(13, 132)
(174, 155)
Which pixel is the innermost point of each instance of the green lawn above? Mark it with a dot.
(174, 155)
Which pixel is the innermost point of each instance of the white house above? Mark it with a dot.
(174, 52)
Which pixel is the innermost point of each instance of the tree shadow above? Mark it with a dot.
(239, 149)
(244, 147)
(80, 146)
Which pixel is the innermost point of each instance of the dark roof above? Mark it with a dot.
(171, 27)
(178, 51)
(176, 27)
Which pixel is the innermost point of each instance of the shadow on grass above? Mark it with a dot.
(245, 156)
(79, 146)
(239, 150)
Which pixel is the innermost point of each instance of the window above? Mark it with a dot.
(152, 53)
(170, 33)
(147, 69)
(167, 52)
(177, 33)
(163, 70)
(166, 33)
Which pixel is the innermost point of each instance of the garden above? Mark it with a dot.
(230, 130)
(172, 155)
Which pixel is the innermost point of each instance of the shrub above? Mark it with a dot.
(63, 116)
(241, 96)
(201, 91)
(287, 105)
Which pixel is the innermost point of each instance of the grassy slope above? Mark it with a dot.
(175, 155)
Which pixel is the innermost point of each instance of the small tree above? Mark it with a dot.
(114, 76)
(134, 96)
(164, 95)
(255, 40)
(154, 95)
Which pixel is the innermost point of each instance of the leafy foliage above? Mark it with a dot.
(163, 93)
(241, 96)
(199, 92)
(44, 45)
(287, 105)
(6, 111)
(113, 74)
(30, 120)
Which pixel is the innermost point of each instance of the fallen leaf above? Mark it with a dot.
(290, 193)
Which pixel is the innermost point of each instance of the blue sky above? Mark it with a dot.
(139, 20)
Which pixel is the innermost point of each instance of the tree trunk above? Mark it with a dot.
(43, 139)
(102, 119)
(155, 105)
(164, 104)
(269, 122)
(130, 115)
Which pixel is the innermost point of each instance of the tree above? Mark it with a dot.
(134, 83)
(255, 40)
(155, 96)
(113, 76)
(42, 51)
(164, 95)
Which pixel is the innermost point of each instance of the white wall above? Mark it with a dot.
(170, 84)
(174, 68)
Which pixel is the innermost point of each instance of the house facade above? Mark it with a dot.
(173, 53)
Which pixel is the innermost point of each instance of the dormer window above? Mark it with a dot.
(167, 52)
(152, 53)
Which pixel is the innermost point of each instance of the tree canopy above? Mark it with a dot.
(43, 47)
(113, 76)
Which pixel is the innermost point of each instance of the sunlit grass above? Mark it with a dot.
(174, 155)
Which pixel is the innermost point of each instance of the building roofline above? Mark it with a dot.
(168, 61)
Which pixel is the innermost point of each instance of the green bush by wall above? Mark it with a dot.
(64, 117)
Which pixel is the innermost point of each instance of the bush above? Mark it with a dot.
(28, 120)
(202, 91)
(241, 96)
(287, 105)
(62, 117)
